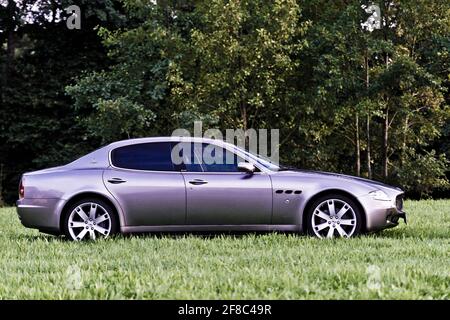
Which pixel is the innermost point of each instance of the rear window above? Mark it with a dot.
(153, 156)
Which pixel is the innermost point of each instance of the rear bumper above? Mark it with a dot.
(42, 214)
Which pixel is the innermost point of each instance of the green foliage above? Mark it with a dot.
(238, 64)
(38, 126)
(399, 83)
(137, 79)
(133, 119)
(422, 173)
(343, 97)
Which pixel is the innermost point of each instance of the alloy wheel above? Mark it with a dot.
(89, 219)
(333, 218)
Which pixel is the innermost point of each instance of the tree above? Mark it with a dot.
(345, 99)
(241, 63)
(134, 89)
(37, 127)
(355, 73)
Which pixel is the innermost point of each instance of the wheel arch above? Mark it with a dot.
(90, 194)
(338, 192)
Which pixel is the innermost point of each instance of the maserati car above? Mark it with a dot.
(136, 186)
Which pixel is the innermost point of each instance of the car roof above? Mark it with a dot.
(166, 139)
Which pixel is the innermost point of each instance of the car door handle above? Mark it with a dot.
(198, 182)
(116, 181)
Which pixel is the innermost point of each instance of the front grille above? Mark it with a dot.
(399, 202)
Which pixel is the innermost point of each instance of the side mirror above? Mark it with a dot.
(246, 167)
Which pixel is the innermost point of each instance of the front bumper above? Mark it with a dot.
(394, 217)
(42, 214)
(382, 214)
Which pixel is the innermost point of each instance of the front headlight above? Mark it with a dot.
(379, 195)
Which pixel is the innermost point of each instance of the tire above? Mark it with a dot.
(346, 222)
(89, 218)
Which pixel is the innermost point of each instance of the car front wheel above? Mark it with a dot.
(89, 219)
(334, 216)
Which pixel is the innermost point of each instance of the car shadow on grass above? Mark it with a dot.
(411, 233)
(206, 235)
(39, 237)
(153, 235)
(400, 233)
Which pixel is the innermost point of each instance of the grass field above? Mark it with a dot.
(408, 262)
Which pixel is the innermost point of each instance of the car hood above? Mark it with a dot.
(338, 176)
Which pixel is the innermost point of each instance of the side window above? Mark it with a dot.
(188, 156)
(217, 159)
(154, 156)
(204, 157)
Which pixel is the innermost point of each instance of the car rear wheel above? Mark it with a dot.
(334, 216)
(89, 219)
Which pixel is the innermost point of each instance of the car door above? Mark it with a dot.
(218, 194)
(148, 186)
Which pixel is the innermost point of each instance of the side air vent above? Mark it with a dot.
(289, 191)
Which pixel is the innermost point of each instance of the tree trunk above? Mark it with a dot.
(357, 147)
(8, 66)
(405, 133)
(368, 155)
(10, 30)
(385, 144)
(386, 112)
(244, 115)
(54, 10)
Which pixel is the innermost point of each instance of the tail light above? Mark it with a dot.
(21, 189)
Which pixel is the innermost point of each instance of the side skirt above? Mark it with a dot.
(188, 228)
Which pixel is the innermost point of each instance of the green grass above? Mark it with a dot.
(408, 262)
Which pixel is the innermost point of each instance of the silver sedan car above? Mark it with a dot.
(135, 186)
